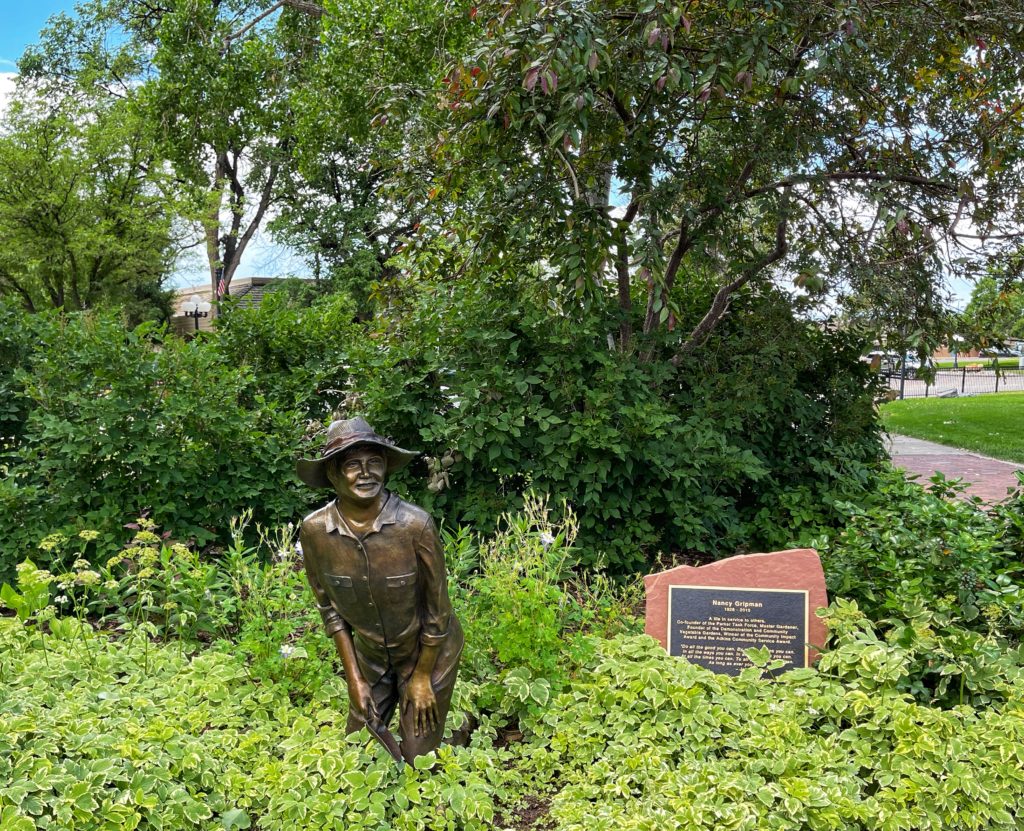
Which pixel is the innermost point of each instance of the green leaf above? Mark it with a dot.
(235, 818)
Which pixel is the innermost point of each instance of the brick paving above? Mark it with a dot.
(989, 479)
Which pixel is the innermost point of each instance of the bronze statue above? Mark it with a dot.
(377, 571)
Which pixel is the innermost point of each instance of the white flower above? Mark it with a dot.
(546, 540)
(61, 598)
(286, 651)
(298, 549)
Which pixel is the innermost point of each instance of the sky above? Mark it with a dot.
(22, 21)
(20, 24)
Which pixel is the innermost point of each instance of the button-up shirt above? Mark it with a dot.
(388, 587)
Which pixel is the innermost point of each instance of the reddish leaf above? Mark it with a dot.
(592, 61)
(660, 83)
(530, 78)
(653, 36)
(472, 13)
(475, 71)
(665, 40)
(686, 24)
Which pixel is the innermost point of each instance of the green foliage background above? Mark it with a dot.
(752, 444)
(107, 424)
(761, 435)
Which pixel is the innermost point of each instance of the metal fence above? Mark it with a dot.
(963, 381)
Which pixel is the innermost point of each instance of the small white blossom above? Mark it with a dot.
(61, 598)
(286, 651)
(546, 540)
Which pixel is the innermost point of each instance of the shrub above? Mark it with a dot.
(128, 423)
(647, 741)
(295, 351)
(908, 550)
(927, 656)
(762, 434)
(527, 617)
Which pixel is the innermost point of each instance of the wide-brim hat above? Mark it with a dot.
(342, 436)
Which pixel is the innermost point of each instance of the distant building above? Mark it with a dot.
(945, 352)
(245, 291)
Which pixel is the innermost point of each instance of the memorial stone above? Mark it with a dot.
(711, 614)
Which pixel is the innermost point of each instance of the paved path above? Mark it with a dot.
(988, 478)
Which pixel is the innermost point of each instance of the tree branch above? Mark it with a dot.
(30, 305)
(720, 304)
(302, 6)
(572, 174)
(622, 272)
(686, 240)
(850, 175)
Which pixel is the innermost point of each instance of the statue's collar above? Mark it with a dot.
(388, 516)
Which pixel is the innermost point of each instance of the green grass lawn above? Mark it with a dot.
(984, 363)
(989, 424)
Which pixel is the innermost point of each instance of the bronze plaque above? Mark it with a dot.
(712, 626)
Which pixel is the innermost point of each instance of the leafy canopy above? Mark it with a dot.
(633, 147)
(85, 212)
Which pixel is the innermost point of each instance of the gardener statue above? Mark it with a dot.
(376, 567)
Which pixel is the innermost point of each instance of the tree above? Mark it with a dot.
(996, 309)
(84, 217)
(356, 119)
(632, 148)
(213, 79)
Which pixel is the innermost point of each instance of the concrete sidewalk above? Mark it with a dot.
(987, 478)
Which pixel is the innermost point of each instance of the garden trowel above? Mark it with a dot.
(381, 733)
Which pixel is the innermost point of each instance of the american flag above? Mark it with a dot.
(221, 285)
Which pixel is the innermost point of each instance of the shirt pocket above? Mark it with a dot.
(400, 581)
(339, 584)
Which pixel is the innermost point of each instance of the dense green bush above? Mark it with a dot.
(764, 434)
(906, 550)
(943, 580)
(17, 343)
(761, 434)
(295, 350)
(120, 423)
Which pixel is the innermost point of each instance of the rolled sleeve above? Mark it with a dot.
(437, 608)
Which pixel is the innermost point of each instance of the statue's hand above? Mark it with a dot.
(362, 699)
(420, 696)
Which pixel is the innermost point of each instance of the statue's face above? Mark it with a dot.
(358, 475)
